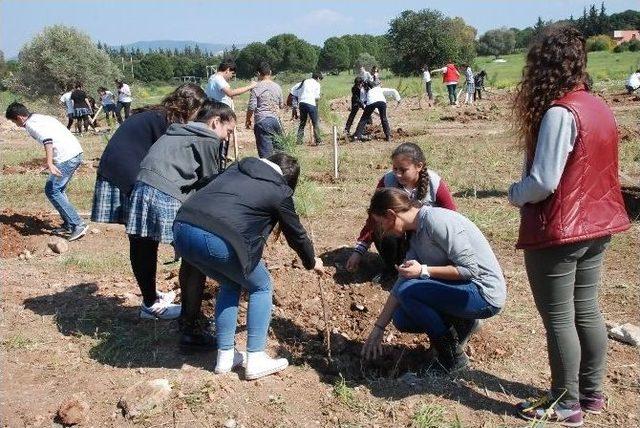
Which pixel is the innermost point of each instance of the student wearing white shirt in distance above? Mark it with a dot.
(308, 92)
(218, 88)
(66, 100)
(633, 82)
(375, 100)
(124, 100)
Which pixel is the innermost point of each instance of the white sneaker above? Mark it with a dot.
(160, 310)
(167, 297)
(259, 364)
(229, 359)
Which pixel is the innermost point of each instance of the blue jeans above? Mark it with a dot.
(307, 110)
(55, 190)
(265, 131)
(425, 303)
(215, 257)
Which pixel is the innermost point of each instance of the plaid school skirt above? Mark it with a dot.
(110, 205)
(152, 213)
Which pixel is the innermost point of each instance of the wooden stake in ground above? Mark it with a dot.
(235, 145)
(335, 151)
(327, 331)
(311, 140)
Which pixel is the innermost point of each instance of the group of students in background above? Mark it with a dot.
(161, 174)
(81, 107)
(474, 84)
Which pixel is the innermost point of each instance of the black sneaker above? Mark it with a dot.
(200, 341)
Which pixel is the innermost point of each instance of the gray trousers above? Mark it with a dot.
(564, 281)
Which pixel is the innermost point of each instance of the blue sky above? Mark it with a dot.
(121, 22)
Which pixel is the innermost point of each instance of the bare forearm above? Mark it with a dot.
(48, 153)
(449, 273)
(389, 308)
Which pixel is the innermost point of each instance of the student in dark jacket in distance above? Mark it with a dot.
(185, 156)
(357, 102)
(222, 230)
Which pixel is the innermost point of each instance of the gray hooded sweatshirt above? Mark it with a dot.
(185, 155)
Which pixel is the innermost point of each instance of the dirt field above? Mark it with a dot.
(70, 326)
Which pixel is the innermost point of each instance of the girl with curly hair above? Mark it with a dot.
(116, 177)
(570, 205)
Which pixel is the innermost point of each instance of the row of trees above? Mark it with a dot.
(60, 55)
(592, 23)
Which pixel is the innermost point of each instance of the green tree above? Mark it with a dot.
(500, 41)
(293, 54)
(251, 56)
(365, 60)
(154, 67)
(428, 37)
(60, 55)
(334, 55)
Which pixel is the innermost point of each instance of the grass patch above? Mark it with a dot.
(433, 416)
(18, 342)
(97, 264)
(345, 394)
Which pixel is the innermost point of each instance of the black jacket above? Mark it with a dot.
(242, 205)
(120, 160)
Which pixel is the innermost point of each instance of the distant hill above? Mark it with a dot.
(144, 46)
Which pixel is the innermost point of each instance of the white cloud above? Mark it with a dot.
(324, 17)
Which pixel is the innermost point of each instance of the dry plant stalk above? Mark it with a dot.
(327, 331)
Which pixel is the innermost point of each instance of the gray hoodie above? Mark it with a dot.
(184, 155)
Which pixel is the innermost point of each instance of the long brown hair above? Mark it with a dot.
(181, 104)
(390, 198)
(556, 64)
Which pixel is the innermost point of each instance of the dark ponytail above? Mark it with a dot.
(415, 154)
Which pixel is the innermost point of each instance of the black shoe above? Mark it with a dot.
(465, 329)
(200, 341)
(450, 357)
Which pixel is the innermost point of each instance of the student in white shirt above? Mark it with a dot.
(633, 82)
(63, 156)
(124, 100)
(68, 103)
(426, 79)
(218, 88)
(375, 101)
(107, 99)
(308, 92)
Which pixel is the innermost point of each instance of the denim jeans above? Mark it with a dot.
(215, 257)
(564, 280)
(312, 112)
(56, 191)
(426, 303)
(453, 96)
(265, 131)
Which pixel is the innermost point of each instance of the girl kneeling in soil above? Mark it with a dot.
(375, 101)
(116, 176)
(181, 161)
(222, 229)
(411, 175)
(450, 271)
(570, 205)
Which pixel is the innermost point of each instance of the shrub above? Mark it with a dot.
(600, 43)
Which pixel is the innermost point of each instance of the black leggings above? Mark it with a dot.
(143, 254)
(392, 250)
(127, 111)
(83, 120)
(352, 115)
(69, 122)
(191, 292)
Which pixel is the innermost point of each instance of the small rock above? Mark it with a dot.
(626, 333)
(145, 397)
(230, 423)
(141, 370)
(58, 246)
(410, 378)
(28, 255)
(21, 256)
(359, 307)
(72, 412)
(95, 231)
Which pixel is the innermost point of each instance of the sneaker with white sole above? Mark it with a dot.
(259, 364)
(229, 359)
(167, 297)
(160, 310)
(78, 232)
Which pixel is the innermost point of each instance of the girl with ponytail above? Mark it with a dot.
(409, 174)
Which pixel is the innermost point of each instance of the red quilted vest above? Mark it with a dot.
(587, 203)
(451, 75)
